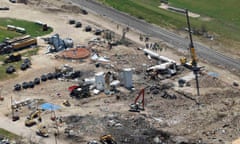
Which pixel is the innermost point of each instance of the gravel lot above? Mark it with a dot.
(212, 117)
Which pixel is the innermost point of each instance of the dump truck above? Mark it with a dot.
(13, 58)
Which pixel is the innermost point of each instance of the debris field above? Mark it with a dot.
(92, 80)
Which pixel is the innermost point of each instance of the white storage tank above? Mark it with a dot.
(99, 81)
(127, 77)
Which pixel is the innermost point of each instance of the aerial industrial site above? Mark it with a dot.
(89, 79)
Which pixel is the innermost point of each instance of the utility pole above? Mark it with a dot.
(193, 54)
(12, 107)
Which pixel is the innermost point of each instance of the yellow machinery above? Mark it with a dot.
(107, 139)
(193, 63)
(66, 103)
(42, 131)
(35, 114)
(183, 60)
(24, 43)
(33, 118)
(187, 64)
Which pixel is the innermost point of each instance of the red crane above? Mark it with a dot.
(138, 106)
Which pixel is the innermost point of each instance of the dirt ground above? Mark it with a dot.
(172, 114)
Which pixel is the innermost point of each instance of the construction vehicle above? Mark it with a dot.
(138, 106)
(66, 103)
(15, 114)
(13, 58)
(30, 122)
(107, 139)
(15, 118)
(14, 111)
(42, 131)
(33, 118)
(35, 114)
(193, 63)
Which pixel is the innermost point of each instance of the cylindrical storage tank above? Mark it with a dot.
(127, 77)
(68, 42)
(99, 81)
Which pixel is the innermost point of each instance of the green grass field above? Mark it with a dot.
(31, 28)
(5, 33)
(3, 74)
(8, 134)
(224, 15)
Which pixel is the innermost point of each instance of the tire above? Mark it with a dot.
(50, 76)
(36, 81)
(43, 78)
(25, 85)
(31, 84)
(17, 87)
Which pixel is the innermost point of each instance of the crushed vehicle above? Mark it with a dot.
(13, 58)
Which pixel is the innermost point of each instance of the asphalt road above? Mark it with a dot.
(177, 41)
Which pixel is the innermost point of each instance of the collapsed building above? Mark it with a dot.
(57, 44)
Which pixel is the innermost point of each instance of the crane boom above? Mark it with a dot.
(193, 54)
(191, 46)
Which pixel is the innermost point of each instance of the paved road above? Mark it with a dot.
(177, 41)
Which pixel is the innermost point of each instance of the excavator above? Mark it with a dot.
(33, 118)
(138, 106)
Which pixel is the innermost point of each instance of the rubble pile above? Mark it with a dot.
(207, 81)
(136, 95)
(123, 127)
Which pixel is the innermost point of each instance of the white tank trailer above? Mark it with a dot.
(165, 62)
(157, 56)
